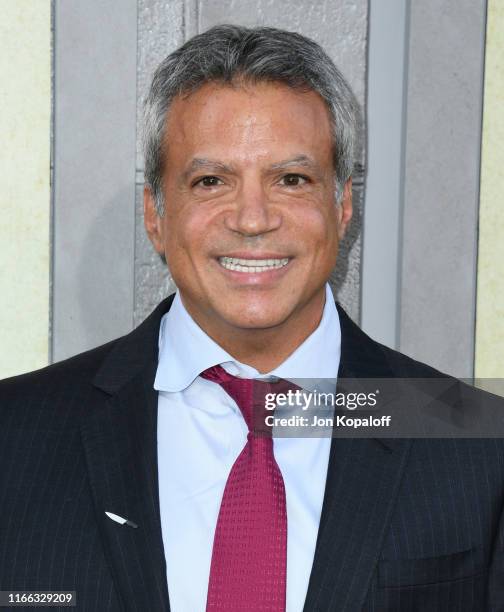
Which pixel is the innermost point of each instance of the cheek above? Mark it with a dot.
(186, 233)
(183, 248)
(318, 228)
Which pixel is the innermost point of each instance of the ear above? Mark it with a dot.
(152, 221)
(345, 209)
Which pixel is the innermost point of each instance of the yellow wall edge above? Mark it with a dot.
(25, 124)
(489, 357)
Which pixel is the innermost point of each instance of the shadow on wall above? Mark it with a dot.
(345, 278)
(153, 281)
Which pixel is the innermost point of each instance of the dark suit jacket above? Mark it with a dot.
(406, 524)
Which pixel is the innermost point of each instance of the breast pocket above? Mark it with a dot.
(431, 570)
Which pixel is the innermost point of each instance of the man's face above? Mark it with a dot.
(251, 226)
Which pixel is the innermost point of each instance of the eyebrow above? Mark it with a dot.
(203, 163)
(298, 160)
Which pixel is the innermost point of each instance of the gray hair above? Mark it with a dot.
(232, 54)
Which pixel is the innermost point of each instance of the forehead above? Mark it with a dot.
(259, 120)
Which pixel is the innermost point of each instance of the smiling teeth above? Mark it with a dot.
(252, 265)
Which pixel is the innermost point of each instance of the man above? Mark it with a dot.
(131, 473)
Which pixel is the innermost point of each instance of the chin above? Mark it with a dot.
(256, 317)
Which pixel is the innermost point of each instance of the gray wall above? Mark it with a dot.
(386, 122)
(442, 162)
(94, 172)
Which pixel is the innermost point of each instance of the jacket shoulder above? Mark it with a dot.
(466, 391)
(406, 366)
(67, 375)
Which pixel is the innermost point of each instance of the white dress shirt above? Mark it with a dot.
(201, 432)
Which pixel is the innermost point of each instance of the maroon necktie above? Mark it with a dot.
(249, 556)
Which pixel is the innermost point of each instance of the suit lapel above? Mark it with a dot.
(363, 480)
(119, 434)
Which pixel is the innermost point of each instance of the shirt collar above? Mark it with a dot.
(185, 351)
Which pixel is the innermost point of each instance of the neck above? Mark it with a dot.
(266, 348)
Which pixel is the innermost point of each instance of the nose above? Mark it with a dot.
(252, 213)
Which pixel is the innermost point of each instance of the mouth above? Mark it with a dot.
(253, 266)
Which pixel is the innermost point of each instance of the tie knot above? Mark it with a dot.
(252, 396)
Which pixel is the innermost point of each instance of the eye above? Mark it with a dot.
(208, 181)
(294, 180)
